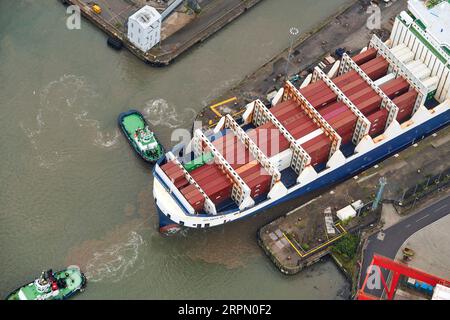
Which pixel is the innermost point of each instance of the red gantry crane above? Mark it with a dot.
(397, 269)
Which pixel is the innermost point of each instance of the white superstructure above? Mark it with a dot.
(144, 28)
(435, 19)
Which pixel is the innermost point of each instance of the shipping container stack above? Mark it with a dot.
(398, 90)
(233, 150)
(241, 160)
(214, 182)
(175, 174)
(190, 192)
(218, 186)
(405, 104)
(300, 126)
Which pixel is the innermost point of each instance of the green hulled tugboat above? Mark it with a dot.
(51, 285)
(142, 139)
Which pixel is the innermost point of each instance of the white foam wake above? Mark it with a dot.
(117, 261)
(59, 128)
(159, 113)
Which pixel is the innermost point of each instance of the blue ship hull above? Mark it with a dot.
(353, 167)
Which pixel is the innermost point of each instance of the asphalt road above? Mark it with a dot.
(388, 242)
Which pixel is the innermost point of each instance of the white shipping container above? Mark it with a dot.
(385, 79)
(282, 161)
(403, 51)
(310, 136)
(413, 64)
(421, 72)
(398, 48)
(407, 57)
(431, 83)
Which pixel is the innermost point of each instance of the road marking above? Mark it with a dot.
(213, 107)
(423, 218)
(407, 226)
(440, 208)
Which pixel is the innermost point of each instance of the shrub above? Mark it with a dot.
(347, 246)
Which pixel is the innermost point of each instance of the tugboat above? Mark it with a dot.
(141, 138)
(51, 285)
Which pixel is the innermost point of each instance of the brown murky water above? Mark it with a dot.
(72, 190)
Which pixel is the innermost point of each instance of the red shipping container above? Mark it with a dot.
(280, 106)
(373, 62)
(365, 56)
(295, 120)
(323, 98)
(215, 186)
(378, 71)
(182, 183)
(345, 125)
(204, 171)
(203, 183)
(347, 138)
(357, 88)
(172, 169)
(169, 165)
(286, 107)
(355, 80)
(346, 78)
(313, 87)
(405, 103)
(194, 197)
(350, 84)
(219, 193)
(248, 167)
(367, 93)
(188, 189)
(367, 106)
(264, 190)
(406, 99)
(198, 204)
(318, 148)
(404, 114)
(301, 131)
(293, 115)
(252, 170)
(313, 95)
(379, 114)
(395, 87)
(333, 110)
(258, 182)
(177, 177)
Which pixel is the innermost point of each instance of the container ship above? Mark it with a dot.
(382, 100)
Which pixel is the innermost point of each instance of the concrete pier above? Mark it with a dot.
(178, 34)
(299, 238)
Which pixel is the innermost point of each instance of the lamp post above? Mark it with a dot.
(293, 32)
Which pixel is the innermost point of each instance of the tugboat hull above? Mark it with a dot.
(73, 280)
(126, 131)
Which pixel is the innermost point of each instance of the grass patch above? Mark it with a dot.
(347, 246)
(345, 252)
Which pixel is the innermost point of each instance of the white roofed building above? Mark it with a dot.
(144, 28)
